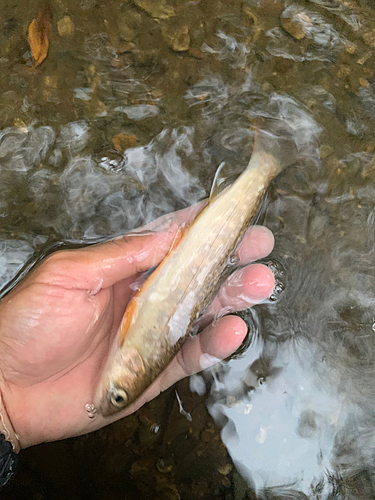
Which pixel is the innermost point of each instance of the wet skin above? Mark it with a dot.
(58, 324)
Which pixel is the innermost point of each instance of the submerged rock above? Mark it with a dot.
(124, 141)
(294, 25)
(65, 26)
(369, 38)
(178, 38)
(158, 9)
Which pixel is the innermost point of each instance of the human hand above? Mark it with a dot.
(58, 324)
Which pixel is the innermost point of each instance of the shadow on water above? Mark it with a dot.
(127, 118)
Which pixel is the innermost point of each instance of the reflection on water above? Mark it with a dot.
(127, 118)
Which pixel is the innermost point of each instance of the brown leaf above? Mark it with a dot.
(40, 31)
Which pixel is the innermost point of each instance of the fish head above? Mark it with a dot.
(120, 386)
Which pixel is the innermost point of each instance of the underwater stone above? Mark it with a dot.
(177, 38)
(156, 8)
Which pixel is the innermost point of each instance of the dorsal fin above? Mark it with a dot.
(220, 182)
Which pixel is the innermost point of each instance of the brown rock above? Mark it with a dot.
(158, 9)
(178, 38)
(65, 26)
(369, 38)
(343, 72)
(293, 26)
(368, 72)
(124, 141)
(364, 83)
(195, 52)
(325, 151)
(225, 470)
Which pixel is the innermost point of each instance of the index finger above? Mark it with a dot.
(102, 265)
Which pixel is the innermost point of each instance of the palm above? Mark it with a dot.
(55, 366)
(57, 326)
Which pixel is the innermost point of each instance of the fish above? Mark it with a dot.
(165, 310)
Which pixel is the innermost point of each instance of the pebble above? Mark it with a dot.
(178, 38)
(225, 470)
(293, 27)
(158, 9)
(343, 72)
(65, 26)
(124, 141)
(325, 151)
(364, 83)
(369, 38)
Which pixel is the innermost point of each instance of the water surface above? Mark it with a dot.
(127, 118)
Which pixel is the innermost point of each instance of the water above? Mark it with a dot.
(128, 117)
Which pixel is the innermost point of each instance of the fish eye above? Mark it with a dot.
(119, 398)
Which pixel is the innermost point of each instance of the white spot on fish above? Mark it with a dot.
(179, 322)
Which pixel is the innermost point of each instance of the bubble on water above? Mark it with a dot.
(197, 384)
(91, 410)
(39, 141)
(21, 150)
(154, 428)
(138, 112)
(74, 136)
(11, 140)
(235, 53)
(40, 183)
(210, 90)
(55, 157)
(148, 182)
(326, 40)
(349, 12)
(83, 188)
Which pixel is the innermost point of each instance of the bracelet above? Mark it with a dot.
(9, 446)
(6, 428)
(8, 460)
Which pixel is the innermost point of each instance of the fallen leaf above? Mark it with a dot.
(40, 31)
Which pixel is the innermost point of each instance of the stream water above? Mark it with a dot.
(127, 118)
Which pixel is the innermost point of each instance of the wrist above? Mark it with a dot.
(6, 427)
